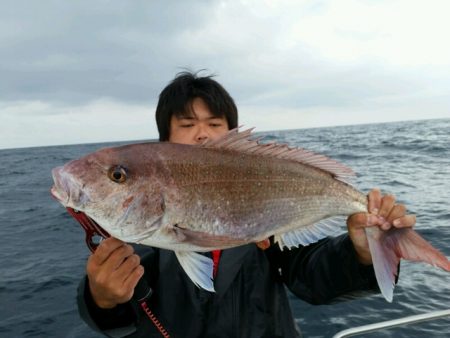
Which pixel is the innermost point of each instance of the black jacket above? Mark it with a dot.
(250, 298)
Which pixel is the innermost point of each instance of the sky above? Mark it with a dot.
(91, 71)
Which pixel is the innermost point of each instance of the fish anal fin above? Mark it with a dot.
(309, 234)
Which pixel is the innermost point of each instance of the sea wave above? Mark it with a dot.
(44, 254)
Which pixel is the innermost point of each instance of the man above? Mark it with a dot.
(250, 298)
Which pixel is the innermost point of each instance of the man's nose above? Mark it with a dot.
(202, 134)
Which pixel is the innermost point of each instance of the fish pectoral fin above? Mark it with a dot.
(310, 234)
(199, 268)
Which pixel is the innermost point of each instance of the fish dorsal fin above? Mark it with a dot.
(310, 234)
(244, 142)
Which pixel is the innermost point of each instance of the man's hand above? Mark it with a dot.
(113, 272)
(384, 213)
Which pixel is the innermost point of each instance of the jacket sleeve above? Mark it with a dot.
(321, 272)
(117, 322)
(122, 320)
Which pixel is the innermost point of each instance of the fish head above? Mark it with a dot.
(117, 187)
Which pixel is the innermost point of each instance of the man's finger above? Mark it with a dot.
(132, 280)
(398, 210)
(128, 265)
(387, 203)
(105, 249)
(407, 221)
(117, 257)
(360, 219)
(374, 199)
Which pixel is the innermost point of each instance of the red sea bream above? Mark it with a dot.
(222, 194)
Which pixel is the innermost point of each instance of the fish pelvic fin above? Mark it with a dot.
(388, 247)
(310, 234)
(199, 268)
(245, 142)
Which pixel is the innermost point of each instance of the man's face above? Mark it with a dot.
(197, 128)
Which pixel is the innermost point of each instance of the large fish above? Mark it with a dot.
(222, 194)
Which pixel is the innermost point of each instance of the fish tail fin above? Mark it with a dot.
(388, 247)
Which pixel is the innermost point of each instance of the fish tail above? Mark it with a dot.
(388, 247)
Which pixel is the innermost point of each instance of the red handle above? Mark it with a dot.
(91, 228)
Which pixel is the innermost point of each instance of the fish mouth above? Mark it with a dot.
(60, 189)
(66, 190)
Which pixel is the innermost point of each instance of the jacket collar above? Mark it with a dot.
(230, 263)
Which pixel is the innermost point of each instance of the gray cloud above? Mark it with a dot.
(72, 53)
(81, 50)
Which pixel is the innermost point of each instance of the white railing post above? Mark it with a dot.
(392, 323)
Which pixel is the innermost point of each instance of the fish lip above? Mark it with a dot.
(67, 190)
(55, 192)
(59, 189)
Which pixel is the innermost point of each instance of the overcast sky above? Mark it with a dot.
(91, 71)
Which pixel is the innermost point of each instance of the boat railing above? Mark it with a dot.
(392, 323)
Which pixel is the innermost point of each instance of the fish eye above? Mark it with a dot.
(117, 174)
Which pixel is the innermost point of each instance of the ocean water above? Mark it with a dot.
(43, 253)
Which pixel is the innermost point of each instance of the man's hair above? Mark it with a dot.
(176, 99)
